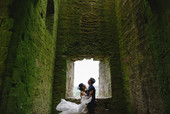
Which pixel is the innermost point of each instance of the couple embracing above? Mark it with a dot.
(88, 101)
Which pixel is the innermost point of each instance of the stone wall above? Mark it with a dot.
(143, 30)
(87, 29)
(105, 88)
(27, 80)
(69, 78)
(6, 24)
(36, 45)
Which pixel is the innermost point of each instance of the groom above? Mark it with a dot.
(91, 92)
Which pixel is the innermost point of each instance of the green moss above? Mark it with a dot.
(133, 34)
(160, 45)
(88, 31)
(27, 86)
(143, 49)
(6, 23)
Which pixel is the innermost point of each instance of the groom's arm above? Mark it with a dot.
(91, 92)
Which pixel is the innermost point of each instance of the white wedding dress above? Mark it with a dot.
(68, 107)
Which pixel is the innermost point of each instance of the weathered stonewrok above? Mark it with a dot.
(41, 39)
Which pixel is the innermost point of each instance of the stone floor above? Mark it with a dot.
(102, 105)
(102, 111)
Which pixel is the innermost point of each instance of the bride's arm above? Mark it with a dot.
(82, 93)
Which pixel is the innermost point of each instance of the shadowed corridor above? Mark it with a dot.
(41, 39)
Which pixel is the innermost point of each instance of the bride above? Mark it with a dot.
(68, 107)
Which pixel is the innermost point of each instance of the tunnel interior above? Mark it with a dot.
(41, 39)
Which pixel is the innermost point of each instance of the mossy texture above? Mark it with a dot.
(6, 24)
(39, 37)
(87, 29)
(28, 78)
(144, 53)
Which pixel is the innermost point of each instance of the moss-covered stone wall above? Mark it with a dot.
(87, 29)
(38, 38)
(28, 34)
(144, 47)
(6, 24)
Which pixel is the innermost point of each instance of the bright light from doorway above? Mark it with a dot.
(83, 71)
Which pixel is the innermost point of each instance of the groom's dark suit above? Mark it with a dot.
(92, 104)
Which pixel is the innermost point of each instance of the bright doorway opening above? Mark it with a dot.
(83, 71)
(80, 71)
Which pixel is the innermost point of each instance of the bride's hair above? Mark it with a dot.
(81, 86)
